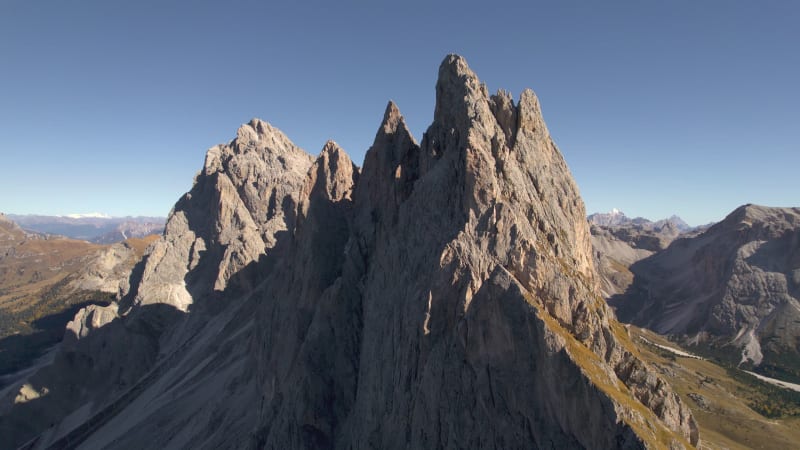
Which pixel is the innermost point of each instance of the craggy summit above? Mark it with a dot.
(443, 296)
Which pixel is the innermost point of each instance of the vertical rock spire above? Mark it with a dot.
(442, 298)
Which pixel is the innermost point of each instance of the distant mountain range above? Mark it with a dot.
(617, 218)
(94, 227)
(45, 280)
(733, 290)
(730, 290)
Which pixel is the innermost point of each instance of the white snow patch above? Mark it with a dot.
(92, 215)
(776, 382)
(672, 349)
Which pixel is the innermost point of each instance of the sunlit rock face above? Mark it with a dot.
(734, 289)
(444, 296)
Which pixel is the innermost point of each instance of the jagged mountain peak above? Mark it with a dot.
(332, 174)
(391, 117)
(394, 125)
(332, 150)
(455, 71)
(460, 96)
(258, 129)
(391, 165)
(338, 309)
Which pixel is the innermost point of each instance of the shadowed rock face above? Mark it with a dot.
(618, 242)
(738, 283)
(442, 297)
(613, 258)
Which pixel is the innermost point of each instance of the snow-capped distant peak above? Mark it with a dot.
(94, 215)
(611, 218)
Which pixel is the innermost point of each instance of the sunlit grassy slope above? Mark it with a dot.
(722, 400)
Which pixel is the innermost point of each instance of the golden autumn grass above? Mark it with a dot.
(727, 421)
(36, 298)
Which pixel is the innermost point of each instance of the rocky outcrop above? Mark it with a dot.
(109, 269)
(443, 297)
(242, 200)
(734, 288)
(240, 203)
(44, 281)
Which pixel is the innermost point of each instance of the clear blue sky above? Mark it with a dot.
(685, 107)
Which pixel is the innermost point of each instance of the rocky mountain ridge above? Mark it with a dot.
(444, 296)
(734, 288)
(616, 217)
(639, 232)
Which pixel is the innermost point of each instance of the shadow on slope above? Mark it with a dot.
(19, 351)
(93, 378)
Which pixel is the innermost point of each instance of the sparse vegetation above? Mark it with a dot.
(590, 364)
(764, 398)
(36, 298)
(738, 412)
(30, 332)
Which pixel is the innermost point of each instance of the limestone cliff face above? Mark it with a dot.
(244, 197)
(466, 313)
(442, 297)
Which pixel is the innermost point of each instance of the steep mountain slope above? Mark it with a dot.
(44, 281)
(29, 262)
(442, 297)
(619, 241)
(734, 288)
(733, 409)
(612, 258)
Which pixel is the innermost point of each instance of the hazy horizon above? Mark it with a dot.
(683, 108)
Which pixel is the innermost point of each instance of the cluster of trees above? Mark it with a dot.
(768, 400)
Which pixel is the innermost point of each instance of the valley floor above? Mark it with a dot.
(721, 402)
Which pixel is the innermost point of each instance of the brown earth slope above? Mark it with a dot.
(44, 280)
